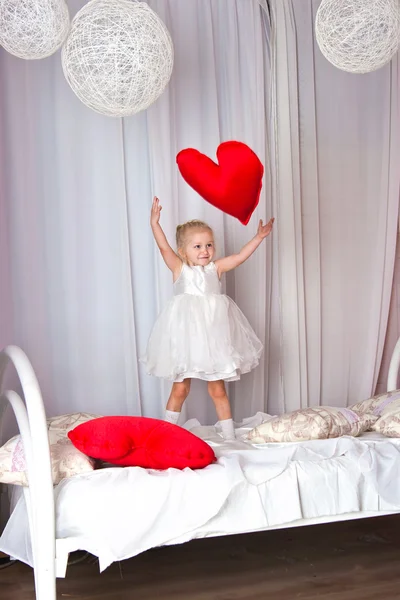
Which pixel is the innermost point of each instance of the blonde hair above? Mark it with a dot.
(183, 230)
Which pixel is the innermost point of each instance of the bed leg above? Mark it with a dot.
(45, 584)
(44, 557)
(61, 564)
(44, 564)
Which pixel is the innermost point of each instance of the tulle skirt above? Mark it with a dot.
(206, 337)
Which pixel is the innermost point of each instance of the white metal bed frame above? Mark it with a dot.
(31, 418)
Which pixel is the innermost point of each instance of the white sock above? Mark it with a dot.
(228, 430)
(172, 417)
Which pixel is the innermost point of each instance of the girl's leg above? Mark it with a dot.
(217, 391)
(177, 397)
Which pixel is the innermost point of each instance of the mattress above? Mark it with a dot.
(116, 513)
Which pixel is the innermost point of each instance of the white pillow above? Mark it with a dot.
(66, 460)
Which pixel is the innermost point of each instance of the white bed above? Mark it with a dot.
(116, 513)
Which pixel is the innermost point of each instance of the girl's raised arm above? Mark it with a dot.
(171, 259)
(231, 262)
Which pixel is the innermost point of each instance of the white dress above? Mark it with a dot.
(201, 332)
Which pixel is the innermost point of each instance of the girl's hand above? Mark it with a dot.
(264, 230)
(155, 211)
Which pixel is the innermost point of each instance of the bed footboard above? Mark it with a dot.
(394, 368)
(31, 419)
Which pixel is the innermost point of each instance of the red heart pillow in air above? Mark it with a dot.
(233, 185)
(141, 442)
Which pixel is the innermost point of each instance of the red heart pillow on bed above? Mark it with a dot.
(233, 185)
(141, 442)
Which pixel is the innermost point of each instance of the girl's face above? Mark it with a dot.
(199, 248)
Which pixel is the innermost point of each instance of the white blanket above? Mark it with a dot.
(116, 513)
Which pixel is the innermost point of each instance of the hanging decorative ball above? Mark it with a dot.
(358, 36)
(33, 28)
(118, 56)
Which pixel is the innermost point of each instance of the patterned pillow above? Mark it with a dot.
(385, 406)
(380, 404)
(66, 460)
(317, 423)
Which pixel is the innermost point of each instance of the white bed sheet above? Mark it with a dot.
(116, 513)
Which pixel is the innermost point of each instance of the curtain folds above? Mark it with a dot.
(335, 169)
(81, 279)
(86, 279)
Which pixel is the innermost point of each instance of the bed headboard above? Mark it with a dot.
(30, 413)
(394, 368)
(31, 419)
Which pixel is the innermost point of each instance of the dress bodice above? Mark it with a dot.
(198, 280)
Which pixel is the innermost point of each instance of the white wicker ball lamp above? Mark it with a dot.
(33, 29)
(118, 56)
(358, 36)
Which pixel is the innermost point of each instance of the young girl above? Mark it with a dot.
(201, 332)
